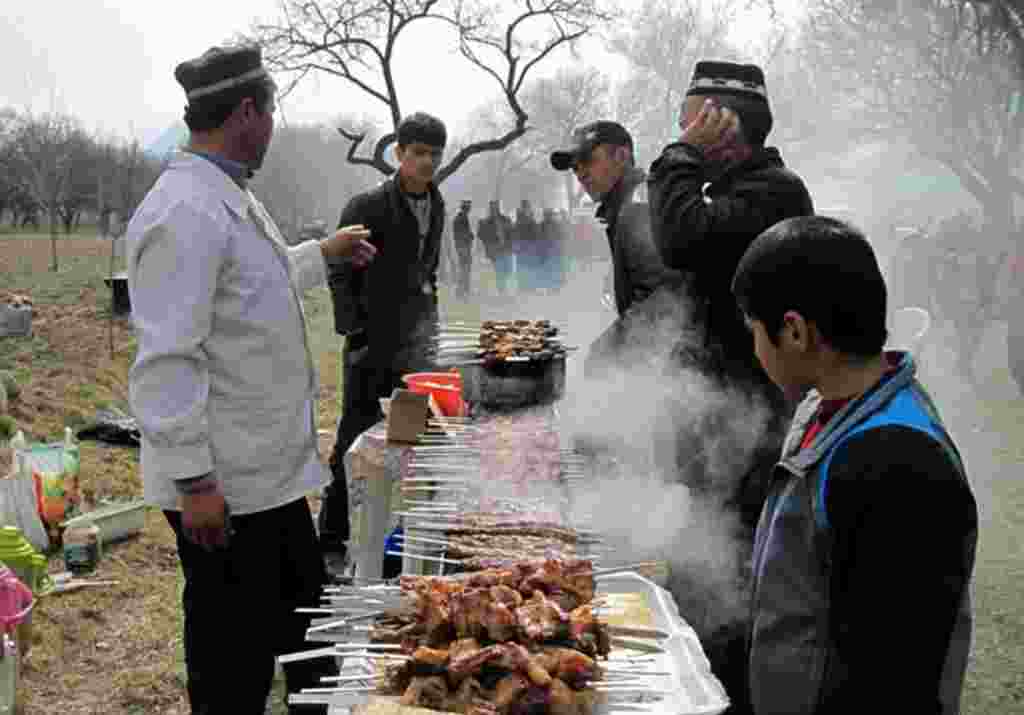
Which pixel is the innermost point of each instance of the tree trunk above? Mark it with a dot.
(53, 239)
(499, 176)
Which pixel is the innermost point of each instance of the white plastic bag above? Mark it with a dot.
(18, 504)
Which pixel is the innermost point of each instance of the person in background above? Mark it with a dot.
(526, 238)
(859, 588)
(495, 233)
(462, 234)
(1009, 295)
(387, 311)
(602, 158)
(711, 193)
(224, 389)
(551, 251)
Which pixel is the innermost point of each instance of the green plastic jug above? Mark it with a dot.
(19, 556)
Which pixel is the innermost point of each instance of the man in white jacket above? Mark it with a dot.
(224, 388)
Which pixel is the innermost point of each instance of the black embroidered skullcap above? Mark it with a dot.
(710, 77)
(220, 69)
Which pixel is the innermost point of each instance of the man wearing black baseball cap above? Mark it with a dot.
(712, 192)
(601, 155)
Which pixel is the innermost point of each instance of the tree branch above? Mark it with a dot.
(377, 161)
(478, 148)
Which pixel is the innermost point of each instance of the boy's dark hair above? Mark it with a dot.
(422, 128)
(208, 113)
(755, 115)
(825, 270)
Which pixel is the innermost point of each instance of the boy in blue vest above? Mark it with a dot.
(865, 547)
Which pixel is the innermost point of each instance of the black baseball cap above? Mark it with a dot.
(585, 138)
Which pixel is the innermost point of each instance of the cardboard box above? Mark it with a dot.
(407, 416)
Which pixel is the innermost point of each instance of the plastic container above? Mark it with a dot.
(16, 604)
(115, 521)
(446, 387)
(82, 549)
(18, 555)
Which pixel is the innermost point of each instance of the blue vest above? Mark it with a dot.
(793, 665)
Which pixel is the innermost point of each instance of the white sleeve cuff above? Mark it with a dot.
(179, 462)
(309, 264)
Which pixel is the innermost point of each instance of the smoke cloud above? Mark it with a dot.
(635, 419)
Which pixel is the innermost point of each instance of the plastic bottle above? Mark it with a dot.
(82, 547)
(8, 675)
(19, 444)
(17, 554)
(73, 495)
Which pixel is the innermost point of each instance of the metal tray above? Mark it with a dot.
(692, 688)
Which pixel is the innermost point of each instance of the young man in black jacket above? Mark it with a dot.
(711, 193)
(388, 311)
(866, 545)
(602, 158)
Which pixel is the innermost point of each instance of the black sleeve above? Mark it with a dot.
(692, 233)
(903, 524)
(345, 280)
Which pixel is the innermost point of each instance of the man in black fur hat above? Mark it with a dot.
(711, 193)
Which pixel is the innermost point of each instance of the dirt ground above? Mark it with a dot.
(114, 649)
(117, 650)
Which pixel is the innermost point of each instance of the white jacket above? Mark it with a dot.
(223, 380)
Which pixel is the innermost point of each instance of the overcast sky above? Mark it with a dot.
(111, 63)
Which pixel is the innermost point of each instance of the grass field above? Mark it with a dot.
(117, 651)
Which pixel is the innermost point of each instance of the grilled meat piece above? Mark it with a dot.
(468, 698)
(561, 699)
(396, 680)
(573, 576)
(509, 690)
(431, 656)
(395, 630)
(589, 634)
(481, 707)
(494, 577)
(541, 619)
(475, 613)
(534, 701)
(429, 692)
(506, 595)
(506, 656)
(568, 665)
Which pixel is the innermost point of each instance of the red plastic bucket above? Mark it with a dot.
(446, 387)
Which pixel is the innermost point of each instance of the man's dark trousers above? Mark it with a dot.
(239, 605)
(465, 272)
(364, 385)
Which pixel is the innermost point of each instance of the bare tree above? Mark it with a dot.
(1006, 16)
(936, 74)
(136, 173)
(305, 177)
(559, 105)
(662, 42)
(43, 151)
(356, 41)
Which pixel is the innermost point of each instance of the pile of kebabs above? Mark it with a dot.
(500, 492)
(496, 341)
(480, 540)
(519, 338)
(512, 640)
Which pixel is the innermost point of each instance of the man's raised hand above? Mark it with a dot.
(350, 244)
